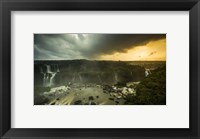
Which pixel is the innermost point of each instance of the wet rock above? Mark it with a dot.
(114, 87)
(111, 98)
(105, 91)
(91, 98)
(117, 102)
(78, 102)
(125, 90)
(107, 88)
(93, 103)
(119, 96)
(53, 103)
(98, 86)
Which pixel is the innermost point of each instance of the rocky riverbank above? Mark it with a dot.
(89, 94)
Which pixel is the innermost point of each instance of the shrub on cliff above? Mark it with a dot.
(152, 90)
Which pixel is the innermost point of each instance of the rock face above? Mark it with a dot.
(85, 71)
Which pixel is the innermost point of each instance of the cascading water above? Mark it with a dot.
(58, 69)
(116, 77)
(80, 78)
(147, 72)
(44, 79)
(48, 69)
(73, 78)
(131, 73)
(41, 70)
(49, 75)
(99, 77)
(51, 78)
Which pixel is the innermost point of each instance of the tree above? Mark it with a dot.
(152, 90)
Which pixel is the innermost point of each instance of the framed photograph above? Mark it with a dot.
(99, 69)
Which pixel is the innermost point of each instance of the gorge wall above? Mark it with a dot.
(55, 73)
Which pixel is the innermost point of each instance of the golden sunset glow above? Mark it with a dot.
(153, 51)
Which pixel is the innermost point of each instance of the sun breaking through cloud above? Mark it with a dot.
(124, 47)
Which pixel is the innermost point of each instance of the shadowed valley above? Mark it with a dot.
(92, 82)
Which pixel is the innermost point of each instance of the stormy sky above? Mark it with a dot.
(100, 46)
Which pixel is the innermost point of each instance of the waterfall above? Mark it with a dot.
(51, 78)
(116, 77)
(76, 77)
(80, 77)
(45, 79)
(58, 69)
(147, 72)
(49, 74)
(44, 84)
(48, 79)
(48, 69)
(131, 73)
(73, 78)
(41, 70)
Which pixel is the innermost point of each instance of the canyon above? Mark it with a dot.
(88, 82)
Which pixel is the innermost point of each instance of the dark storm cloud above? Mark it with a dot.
(108, 44)
(87, 46)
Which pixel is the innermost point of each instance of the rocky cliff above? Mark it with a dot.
(55, 73)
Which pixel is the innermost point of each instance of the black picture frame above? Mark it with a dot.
(6, 6)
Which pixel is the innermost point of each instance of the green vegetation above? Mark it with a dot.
(150, 91)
